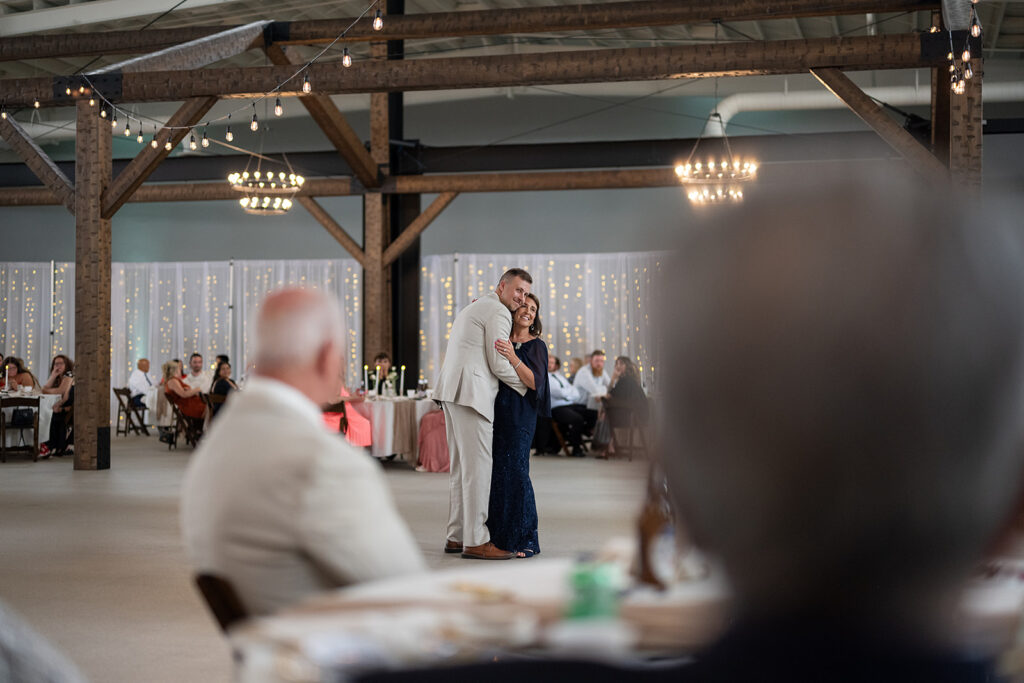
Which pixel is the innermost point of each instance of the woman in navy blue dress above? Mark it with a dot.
(512, 513)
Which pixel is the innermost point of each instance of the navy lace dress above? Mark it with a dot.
(512, 513)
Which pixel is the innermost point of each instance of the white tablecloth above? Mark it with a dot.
(382, 415)
(46, 402)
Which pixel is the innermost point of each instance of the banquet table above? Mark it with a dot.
(395, 422)
(46, 403)
(463, 614)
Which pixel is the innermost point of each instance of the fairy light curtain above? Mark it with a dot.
(588, 301)
(25, 309)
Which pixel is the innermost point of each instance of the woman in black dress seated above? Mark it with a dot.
(222, 383)
(626, 396)
(512, 512)
(62, 381)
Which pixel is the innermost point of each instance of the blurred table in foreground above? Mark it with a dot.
(458, 614)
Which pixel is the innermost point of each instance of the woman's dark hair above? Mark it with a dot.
(18, 363)
(383, 355)
(631, 369)
(536, 327)
(69, 367)
(216, 373)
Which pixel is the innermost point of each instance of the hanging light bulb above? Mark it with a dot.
(36, 104)
(138, 138)
(103, 113)
(346, 58)
(67, 90)
(968, 72)
(3, 112)
(153, 143)
(192, 141)
(306, 87)
(228, 135)
(966, 56)
(128, 128)
(167, 145)
(975, 27)
(206, 141)
(278, 109)
(81, 90)
(378, 21)
(255, 125)
(92, 101)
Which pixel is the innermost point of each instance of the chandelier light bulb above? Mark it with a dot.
(278, 109)
(306, 87)
(378, 21)
(346, 58)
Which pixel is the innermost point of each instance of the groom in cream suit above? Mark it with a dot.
(467, 387)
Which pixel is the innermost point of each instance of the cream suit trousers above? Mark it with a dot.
(469, 481)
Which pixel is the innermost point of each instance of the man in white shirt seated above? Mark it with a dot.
(567, 411)
(592, 382)
(272, 501)
(139, 382)
(198, 376)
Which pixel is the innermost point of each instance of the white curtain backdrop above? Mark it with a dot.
(169, 310)
(588, 301)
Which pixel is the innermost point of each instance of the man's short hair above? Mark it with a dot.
(516, 272)
(846, 370)
(558, 363)
(596, 352)
(195, 355)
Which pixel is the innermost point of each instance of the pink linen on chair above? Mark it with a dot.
(433, 444)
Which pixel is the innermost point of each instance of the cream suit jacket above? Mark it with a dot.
(283, 508)
(472, 367)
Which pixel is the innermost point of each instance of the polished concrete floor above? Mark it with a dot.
(93, 560)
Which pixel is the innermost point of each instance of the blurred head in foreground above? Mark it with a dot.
(846, 421)
(299, 342)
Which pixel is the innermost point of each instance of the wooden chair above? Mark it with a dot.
(636, 438)
(134, 417)
(221, 598)
(212, 400)
(5, 426)
(191, 427)
(338, 407)
(561, 439)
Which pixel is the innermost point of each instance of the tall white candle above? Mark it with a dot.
(401, 383)
(366, 378)
(376, 381)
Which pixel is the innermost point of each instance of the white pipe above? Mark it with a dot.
(899, 96)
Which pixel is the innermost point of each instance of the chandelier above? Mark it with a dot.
(715, 179)
(265, 193)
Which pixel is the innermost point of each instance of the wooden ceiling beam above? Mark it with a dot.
(38, 162)
(887, 51)
(331, 226)
(140, 168)
(418, 225)
(446, 24)
(334, 125)
(195, 53)
(920, 158)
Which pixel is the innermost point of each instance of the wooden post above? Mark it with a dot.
(93, 161)
(376, 222)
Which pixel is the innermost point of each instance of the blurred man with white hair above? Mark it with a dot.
(274, 502)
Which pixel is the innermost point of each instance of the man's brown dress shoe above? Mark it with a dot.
(452, 547)
(487, 551)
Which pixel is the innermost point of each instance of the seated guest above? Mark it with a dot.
(58, 442)
(567, 411)
(222, 383)
(186, 397)
(574, 366)
(592, 382)
(845, 430)
(197, 376)
(379, 371)
(139, 382)
(61, 375)
(625, 396)
(359, 432)
(222, 358)
(18, 375)
(272, 500)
